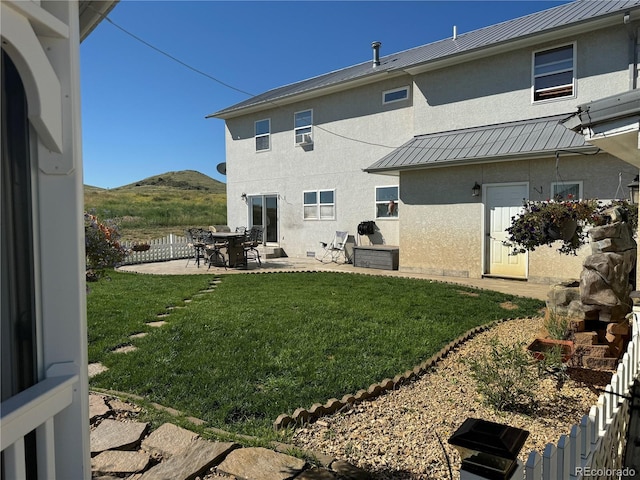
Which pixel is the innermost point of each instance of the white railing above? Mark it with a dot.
(31, 410)
(171, 247)
(594, 449)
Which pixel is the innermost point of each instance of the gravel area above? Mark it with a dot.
(403, 433)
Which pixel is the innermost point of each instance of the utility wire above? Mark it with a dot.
(275, 104)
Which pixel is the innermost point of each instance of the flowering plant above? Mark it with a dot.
(545, 222)
(102, 246)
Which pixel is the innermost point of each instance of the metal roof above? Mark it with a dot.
(544, 22)
(526, 138)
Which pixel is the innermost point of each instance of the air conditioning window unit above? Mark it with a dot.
(304, 139)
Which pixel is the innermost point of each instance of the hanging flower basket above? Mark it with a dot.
(564, 221)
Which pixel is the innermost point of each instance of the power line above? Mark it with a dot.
(275, 104)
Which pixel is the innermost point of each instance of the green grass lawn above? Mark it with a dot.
(262, 345)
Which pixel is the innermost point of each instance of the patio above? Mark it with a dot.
(286, 264)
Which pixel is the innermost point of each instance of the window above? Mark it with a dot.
(566, 190)
(395, 95)
(302, 126)
(386, 202)
(263, 135)
(319, 205)
(553, 73)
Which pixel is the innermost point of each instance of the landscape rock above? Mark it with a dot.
(261, 464)
(114, 435)
(97, 407)
(168, 440)
(113, 461)
(200, 456)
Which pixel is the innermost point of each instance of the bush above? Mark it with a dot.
(102, 246)
(506, 377)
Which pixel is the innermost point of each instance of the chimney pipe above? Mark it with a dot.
(376, 53)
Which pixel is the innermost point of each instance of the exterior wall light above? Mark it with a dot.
(243, 196)
(634, 189)
(475, 190)
(488, 450)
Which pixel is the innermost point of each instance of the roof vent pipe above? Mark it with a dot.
(455, 32)
(376, 53)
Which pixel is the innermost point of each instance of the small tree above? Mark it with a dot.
(102, 246)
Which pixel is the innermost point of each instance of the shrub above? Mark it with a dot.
(556, 325)
(102, 246)
(506, 377)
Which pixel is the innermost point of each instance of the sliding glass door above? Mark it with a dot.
(263, 212)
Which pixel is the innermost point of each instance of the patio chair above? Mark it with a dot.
(334, 250)
(195, 240)
(213, 251)
(251, 244)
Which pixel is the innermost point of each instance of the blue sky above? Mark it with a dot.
(144, 114)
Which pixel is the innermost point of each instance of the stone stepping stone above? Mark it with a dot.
(113, 435)
(162, 315)
(208, 290)
(157, 324)
(138, 335)
(125, 349)
(168, 440)
(97, 407)
(261, 464)
(96, 368)
(119, 462)
(200, 456)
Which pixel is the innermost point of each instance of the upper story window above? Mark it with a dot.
(386, 202)
(302, 127)
(319, 205)
(395, 95)
(263, 135)
(566, 190)
(553, 73)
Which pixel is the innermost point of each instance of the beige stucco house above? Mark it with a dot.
(44, 414)
(423, 127)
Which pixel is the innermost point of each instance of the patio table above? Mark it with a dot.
(236, 255)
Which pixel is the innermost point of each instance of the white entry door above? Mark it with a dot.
(502, 202)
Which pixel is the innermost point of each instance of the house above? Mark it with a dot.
(455, 133)
(44, 411)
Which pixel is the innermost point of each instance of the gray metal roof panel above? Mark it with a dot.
(514, 139)
(536, 23)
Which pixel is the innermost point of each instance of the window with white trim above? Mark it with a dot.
(319, 205)
(395, 95)
(553, 73)
(566, 190)
(263, 134)
(386, 202)
(302, 122)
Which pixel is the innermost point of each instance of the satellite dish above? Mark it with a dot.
(222, 168)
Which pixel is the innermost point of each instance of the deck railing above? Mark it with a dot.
(594, 449)
(32, 410)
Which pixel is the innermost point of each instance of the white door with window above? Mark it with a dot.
(502, 202)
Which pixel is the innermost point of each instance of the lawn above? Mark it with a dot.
(262, 345)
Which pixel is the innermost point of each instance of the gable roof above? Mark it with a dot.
(577, 15)
(505, 141)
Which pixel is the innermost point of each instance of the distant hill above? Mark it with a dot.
(184, 180)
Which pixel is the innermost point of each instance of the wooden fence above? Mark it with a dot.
(171, 247)
(594, 449)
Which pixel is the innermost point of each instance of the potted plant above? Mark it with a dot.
(567, 221)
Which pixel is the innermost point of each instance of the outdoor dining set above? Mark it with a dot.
(218, 246)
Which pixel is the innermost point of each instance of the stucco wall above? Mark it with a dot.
(333, 162)
(498, 89)
(442, 230)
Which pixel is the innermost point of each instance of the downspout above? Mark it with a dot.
(632, 52)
